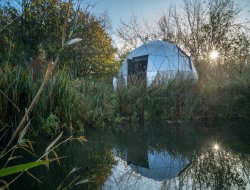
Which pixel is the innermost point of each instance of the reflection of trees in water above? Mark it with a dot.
(221, 169)
(177, 140)
(94, 158)
(209, 169)
(95, 162)
(214, 169)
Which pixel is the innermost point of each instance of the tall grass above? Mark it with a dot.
(224, 92)
(71, 104)
(173, 100)
(96, 100)
(18, 85)
(214, 96)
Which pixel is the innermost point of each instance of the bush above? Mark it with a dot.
(50, 125)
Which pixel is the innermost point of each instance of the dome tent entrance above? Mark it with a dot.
(157, 60)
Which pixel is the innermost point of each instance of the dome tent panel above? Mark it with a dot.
(151, 66)
(171, 63)
(139, 52)
(159, 51)
(152, 50)
(130, 56)
(170, 49)
(156, 59)
(165, 65)
(150, 77)
(184, 63)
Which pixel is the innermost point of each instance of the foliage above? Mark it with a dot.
(80, 104)
(179, 96)
(22, 167)
(217, 166)
(96, 100)
(216, 96)
(50, 125)
(36, 32)
(66, 104)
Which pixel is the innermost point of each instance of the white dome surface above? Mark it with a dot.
(164, 60)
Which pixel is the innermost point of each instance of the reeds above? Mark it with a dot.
(183, 99)
(74, 104)
(84, 103)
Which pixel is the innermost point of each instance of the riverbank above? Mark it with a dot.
(69, 104)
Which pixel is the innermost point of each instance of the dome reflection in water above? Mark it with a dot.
(155, 156)
(179, 157)
(161, 166)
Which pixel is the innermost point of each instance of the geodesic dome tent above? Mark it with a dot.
(156, 61)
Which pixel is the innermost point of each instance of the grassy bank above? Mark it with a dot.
(70, 104)
(209, 98)
(65, 104)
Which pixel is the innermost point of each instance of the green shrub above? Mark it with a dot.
(50, 125)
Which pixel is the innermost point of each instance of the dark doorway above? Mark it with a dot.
(137, 70)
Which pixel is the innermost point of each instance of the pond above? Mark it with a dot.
(153, 156)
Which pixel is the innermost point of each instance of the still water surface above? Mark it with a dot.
(155, 156)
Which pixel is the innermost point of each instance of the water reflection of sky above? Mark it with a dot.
(167, 171)
(161, 166)
(124, 177)
(148, 173)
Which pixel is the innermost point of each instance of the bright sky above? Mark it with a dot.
(122, 9)
(150, 9)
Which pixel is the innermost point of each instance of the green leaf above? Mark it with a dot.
(20, 168)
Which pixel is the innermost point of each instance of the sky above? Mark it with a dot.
(150, 9)
(122, 9)
(118, 10)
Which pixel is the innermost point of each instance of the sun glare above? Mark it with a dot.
(214, 54)
(216, 147)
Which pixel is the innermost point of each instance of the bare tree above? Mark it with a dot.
(185, 28)
(167, 29)
(136, 31)
(202, 26)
